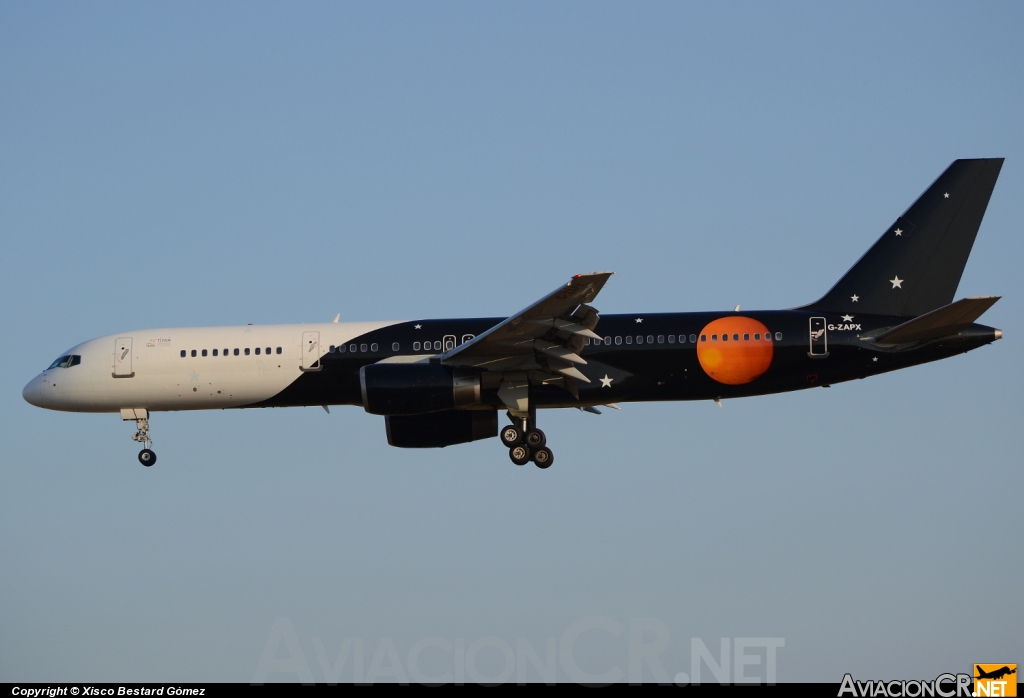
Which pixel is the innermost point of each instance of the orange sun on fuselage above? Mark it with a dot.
(735, 350)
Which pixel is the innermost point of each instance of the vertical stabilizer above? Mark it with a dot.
(916, 265)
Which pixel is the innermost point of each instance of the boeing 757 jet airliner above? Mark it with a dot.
(443, 382)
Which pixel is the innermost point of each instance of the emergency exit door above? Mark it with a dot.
(819, 338)
(310, 351)
(123, 358)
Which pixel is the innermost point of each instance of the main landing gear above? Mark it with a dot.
(526, 442)
(141, 418)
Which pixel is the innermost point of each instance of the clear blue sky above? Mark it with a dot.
(204, 164)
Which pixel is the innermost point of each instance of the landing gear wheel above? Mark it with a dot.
(519, 454)
(535, 439)
(147, 457)
(543, 458)
(511, 435)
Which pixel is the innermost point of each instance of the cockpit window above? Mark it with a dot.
(66, 361)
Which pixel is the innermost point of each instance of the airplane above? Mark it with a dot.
(996, 674)
(443, 382)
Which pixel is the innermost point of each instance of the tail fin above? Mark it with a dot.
(916, 265)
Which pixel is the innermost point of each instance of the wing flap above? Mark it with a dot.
(564, 310)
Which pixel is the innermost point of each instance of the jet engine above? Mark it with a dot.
(412, 389)
(440, 429)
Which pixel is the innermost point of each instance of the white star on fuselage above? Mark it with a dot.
(417, 327)
(193, 376)
(639, 320)
(897, 282)
(946, 195)
(899, 233)
(606, 382)
(855, 298)
(847, 318)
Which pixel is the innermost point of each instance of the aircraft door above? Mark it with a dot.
(819, 338)
(123, 358)
(310, 351)
(449, 342)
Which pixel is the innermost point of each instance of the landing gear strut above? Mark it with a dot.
(526, 442)
(141, 418)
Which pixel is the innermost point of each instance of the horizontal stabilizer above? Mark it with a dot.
(944, 322)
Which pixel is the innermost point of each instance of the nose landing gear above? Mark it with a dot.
(141, 418)
(526, 442)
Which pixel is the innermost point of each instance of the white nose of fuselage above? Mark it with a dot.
(40, 392)
(34, 393)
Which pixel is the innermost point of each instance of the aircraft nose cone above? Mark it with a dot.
(33, 392)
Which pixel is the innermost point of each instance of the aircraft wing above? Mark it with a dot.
(546, 336)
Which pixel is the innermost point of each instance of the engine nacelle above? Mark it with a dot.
(409, 389)
(441, 429)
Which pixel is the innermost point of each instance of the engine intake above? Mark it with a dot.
(410, 389)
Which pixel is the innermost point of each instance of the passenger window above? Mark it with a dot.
(671, 338)
(650, 339)
(757, 336)
(661, 339)
(415, 346)
(778, 336)
(258, 350)
(268, 351)
(214, 352)
(735, 338)
(607, 340)
(236, 351)
(629, 339)
(746, 337)
(204, 352)
(341, 348)
(373, 347)
(362, 348)
(247, 351)
(193, 352)
(353, 348)
(693, 338)
(618, 340)
(225, 352)
(183, 353)
(437, 346)
(279, 350)
(394, 347)
(639, 339)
